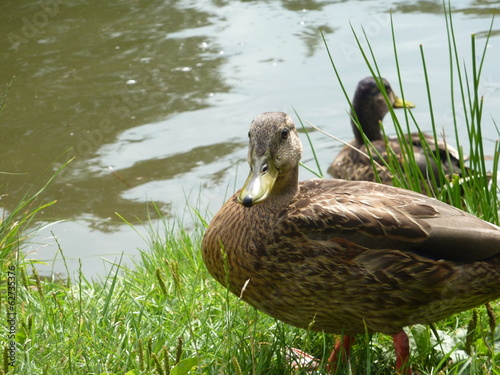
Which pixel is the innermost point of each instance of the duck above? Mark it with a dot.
(345, 257)
(369, 107)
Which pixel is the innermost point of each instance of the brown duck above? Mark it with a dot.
(345, 256)
(369, 106)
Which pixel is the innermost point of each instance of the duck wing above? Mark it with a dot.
(380, 217)
(448, 156)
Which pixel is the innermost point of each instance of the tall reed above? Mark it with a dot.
(475, 190)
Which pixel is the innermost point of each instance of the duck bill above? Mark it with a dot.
(400, 103)
(259, 183)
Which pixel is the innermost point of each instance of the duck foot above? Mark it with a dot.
(341, 352)
(300, 360)
(402, 347)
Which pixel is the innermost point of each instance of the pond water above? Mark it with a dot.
(153, 99)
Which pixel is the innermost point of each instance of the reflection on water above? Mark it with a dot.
(86, 72)
(485, 8)
(153, 98)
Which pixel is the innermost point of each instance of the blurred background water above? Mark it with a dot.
(154, 98)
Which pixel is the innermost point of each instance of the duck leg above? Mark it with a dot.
(341, 351)
(402, 347)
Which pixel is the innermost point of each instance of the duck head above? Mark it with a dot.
(274, 153)
(370, 106)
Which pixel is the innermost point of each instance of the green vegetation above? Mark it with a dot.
(477, 192)
(166, 315)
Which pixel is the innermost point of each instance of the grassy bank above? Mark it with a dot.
(167, 315)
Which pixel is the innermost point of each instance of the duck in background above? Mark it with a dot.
(345, 257)
(369, 106)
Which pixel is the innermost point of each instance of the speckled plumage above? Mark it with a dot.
(370, 107)
(345, 256)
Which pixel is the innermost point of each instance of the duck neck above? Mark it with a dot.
(370, 124)
(285, 188)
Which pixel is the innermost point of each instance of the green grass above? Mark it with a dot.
(477, 194)
(167, 315)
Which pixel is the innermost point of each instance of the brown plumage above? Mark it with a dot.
(370, 107)
(345, 256)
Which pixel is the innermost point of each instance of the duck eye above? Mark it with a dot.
(284, 133)
(248, 134)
